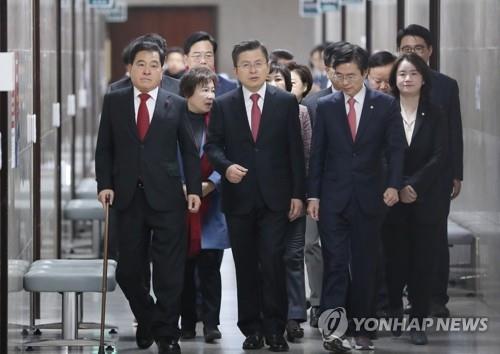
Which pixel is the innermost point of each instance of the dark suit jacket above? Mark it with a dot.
(167, 83)
(444, 93)
(340, 168)
(122, 159)
(275, 162)
(311, 102)
(224, 85)
(423, 164)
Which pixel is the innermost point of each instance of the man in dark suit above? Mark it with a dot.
(254, 141)
(137, 170)
(354, 129)
(312, 250)
(200, 49)
(167, 83)
(444, 93)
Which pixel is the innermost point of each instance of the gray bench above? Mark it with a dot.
(460, 236)
(69, 277)
(87, 210)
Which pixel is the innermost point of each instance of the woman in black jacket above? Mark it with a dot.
(410, 227)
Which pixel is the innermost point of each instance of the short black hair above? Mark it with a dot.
(421, 67)
(331, 51)
(350, 53)
(284, 71)
(304, 74)
(415, 31)
(147, 46)
(280, 54)
(381, 58)
(246, 46)
(194, 77)
(198, 37)
(148, 37)
(171, 50)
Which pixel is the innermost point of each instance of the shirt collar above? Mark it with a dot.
(247, 93)
(359, 97)
(153, 93)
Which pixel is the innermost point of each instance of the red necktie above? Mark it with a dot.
(255, 115)
(143, 116)
(351, 117)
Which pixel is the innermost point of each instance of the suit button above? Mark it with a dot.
(354, 154)
(142, 146)
(256, 149)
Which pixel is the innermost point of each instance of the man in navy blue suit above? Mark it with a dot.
(200, 49)
(444, 93)
(348, 192)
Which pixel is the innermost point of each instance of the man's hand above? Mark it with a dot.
(295, 209)
(106, 194)
(235, 173)
(194, 203)
(408, 194)
(457, 187)
(391, 196)
(313, 209)
(207, 188)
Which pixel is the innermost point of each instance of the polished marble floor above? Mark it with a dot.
(462, 304)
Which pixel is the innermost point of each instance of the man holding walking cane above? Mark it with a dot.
(138, 170)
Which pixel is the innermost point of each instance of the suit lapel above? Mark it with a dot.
(366, 113)
(421, 114)
(130, 112)
(241, 112)
(267, 109)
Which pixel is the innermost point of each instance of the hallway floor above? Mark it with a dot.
(462, 304)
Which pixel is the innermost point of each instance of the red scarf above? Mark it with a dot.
(194, 220)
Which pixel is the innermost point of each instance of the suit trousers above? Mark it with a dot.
(441, 272)
(258, 242)
(350, 241)
(410, 256)
(314, 261)
(294, 262)
(168, 248)
(204, 267)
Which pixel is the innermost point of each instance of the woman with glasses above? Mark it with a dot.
(279, 76)
(410, 228)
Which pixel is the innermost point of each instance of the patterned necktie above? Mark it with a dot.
(143, 116)
(351, 117)
(255, 115)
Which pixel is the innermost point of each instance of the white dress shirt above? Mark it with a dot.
(150, 103)
(249, 102)
(359, 99)
(408, 123)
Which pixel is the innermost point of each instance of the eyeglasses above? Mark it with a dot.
(258, 65)
(198, 56)
(348, 78)
(419, 49)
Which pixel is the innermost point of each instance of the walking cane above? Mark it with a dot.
(104, 278)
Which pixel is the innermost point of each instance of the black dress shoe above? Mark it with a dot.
(277, 343)
(211, 334)
(168, 346)
(143, 336)
(293, 330)
(314, 316)
(254, 341)
(418, 337)
(439, 311)
(188, 333)
(337, 345)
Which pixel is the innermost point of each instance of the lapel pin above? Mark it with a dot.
(371, 107)
(423, 113)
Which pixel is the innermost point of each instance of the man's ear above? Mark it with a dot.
(430, 51)
(129, 67)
